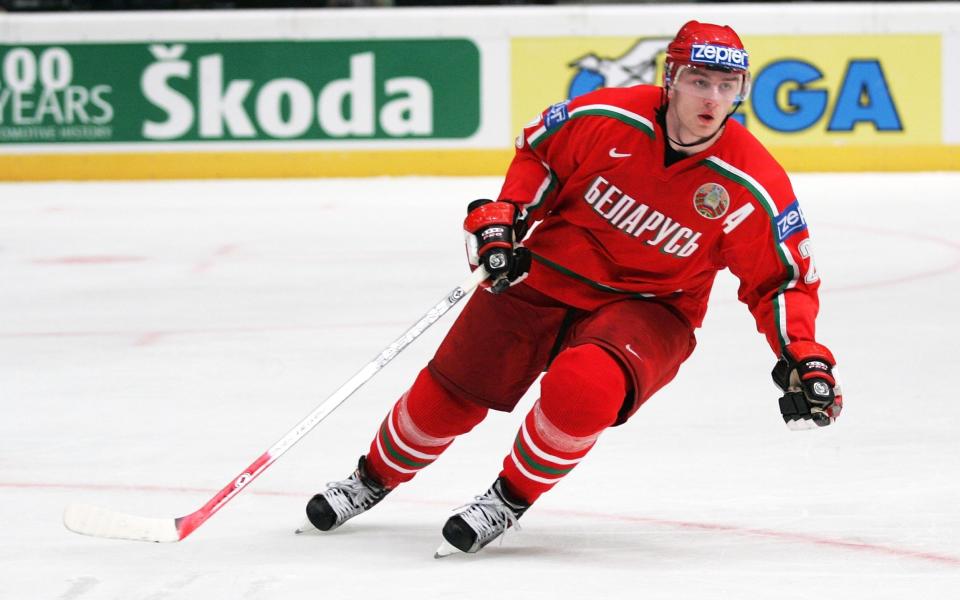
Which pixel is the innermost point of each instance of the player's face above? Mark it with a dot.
(700, 100)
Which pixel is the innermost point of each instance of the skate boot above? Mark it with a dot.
(481, 521)
(343, 500)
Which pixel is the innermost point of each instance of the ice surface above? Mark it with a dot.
(155, 338)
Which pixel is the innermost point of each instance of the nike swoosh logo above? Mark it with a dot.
(631, 351)
(615, 154)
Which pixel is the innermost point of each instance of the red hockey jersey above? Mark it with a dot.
(613, 221)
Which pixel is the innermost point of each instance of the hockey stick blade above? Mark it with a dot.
(102, 522)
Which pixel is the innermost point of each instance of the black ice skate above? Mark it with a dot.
(481, 521)
(343, 500)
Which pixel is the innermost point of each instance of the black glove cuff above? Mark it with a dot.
(781, 374)
(519, 263)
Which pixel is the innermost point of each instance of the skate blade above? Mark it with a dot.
(446, 549)
(307, 527)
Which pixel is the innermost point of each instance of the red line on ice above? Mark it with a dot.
(207, 263)
(778, 535)
(149, 338)
(910, 235)
(784, 536)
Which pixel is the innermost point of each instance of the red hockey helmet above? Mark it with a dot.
(707, 46)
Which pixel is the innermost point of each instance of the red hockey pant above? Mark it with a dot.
(609, 362)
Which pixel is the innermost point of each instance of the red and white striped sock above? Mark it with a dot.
(581, 396)
(542, 455)
(419, 427)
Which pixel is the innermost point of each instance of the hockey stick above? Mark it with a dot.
(102, 522)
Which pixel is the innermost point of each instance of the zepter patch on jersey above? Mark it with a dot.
(556, 115)
(790, 221)
(711, 200)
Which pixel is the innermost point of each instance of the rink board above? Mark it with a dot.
(859, 87)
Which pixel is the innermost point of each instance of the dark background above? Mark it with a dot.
(87, 5)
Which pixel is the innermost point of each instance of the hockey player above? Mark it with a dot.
(639, 196)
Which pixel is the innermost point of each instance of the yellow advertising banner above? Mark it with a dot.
(818, 102)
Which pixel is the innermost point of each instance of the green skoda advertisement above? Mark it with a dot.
(239, 91)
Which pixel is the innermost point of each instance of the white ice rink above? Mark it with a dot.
(155, 338)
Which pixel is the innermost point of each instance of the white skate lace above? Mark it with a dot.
(348, 498)
(488, 516)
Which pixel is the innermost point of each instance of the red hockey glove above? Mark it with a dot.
(489, 230)
(812, 396)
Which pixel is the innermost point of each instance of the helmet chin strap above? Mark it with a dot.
(706, 139)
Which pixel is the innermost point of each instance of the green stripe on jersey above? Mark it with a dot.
(594, 284)
(549, 184)
(766, 201)
(615, 112)
(597, 110)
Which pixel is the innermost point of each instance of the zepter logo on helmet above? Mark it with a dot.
(705, 46)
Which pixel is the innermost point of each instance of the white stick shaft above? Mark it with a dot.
(100, 522)
(378, 363)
